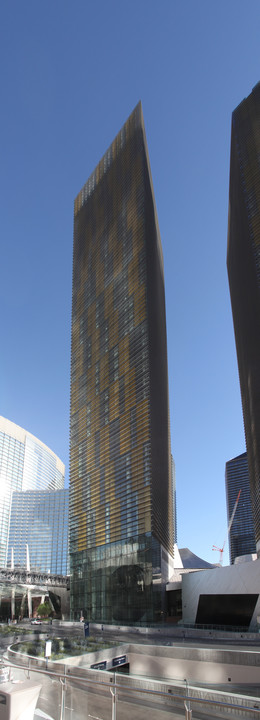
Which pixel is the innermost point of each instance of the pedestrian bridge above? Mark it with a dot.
(21, 591)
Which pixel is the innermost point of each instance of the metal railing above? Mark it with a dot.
(120, 691)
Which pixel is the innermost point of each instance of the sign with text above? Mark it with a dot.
(119, 660)
(48, 648)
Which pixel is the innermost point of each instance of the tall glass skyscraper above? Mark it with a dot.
(121, 514)
(241, 536)
(243, 261)
(39, 519)
(25, 464)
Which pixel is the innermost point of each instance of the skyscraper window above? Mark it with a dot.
(121, 504)
(243, 262)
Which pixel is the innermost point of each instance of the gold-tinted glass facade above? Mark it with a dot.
(120, 485)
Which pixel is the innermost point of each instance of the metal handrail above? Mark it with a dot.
(128, 691)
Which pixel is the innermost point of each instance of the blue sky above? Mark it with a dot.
(71, 73)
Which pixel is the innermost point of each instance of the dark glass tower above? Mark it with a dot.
(121, 516)
(243, 261)
(241, 536)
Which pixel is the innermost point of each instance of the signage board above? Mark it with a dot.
(86, 629)
(119, 660)
(48, 648)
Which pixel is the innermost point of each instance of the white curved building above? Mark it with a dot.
(25, 464)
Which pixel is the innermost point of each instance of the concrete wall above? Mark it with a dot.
(181, 663)
(170, 632)
(242, 579)
(203, 665)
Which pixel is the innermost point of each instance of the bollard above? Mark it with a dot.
(62, 699)
(113, 693)
(188, 711)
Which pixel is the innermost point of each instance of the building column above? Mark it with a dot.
(29, 597)
(22, 604)
(13, 603)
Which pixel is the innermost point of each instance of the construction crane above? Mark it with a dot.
(221, 550)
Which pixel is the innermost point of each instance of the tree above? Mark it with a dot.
(44, 609)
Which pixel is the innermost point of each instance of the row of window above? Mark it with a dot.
(101, 169)
(90, 352)
(114, 447)
(83, 386)
(120, 283)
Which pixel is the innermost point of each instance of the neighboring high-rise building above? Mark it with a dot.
(241, 535)
(121, 514)
(243, 261)
(39, 520)
(25, 464)
(173, 472)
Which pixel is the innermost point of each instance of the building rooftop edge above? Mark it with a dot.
(83, 193)
(19, 433)
(255, 88)
(105, 162)
(237, 457)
